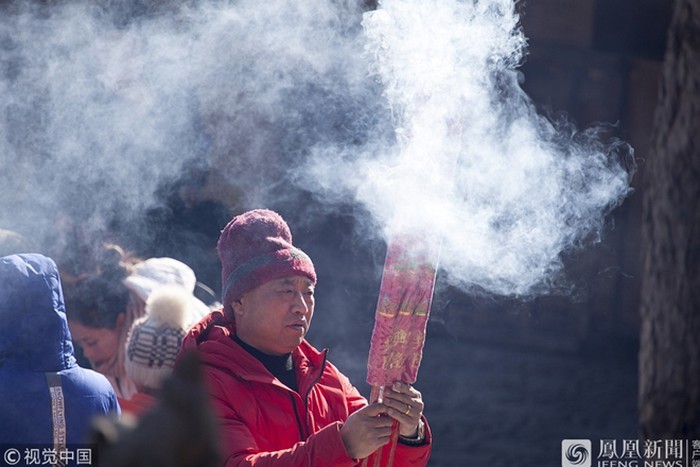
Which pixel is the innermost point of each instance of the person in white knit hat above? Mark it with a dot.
(153, 343)
(103, 307)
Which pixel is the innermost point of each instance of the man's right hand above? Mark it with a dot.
(366, 430)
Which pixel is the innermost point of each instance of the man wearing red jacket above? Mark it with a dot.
(279, 400)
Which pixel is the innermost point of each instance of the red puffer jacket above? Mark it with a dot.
(263, 422)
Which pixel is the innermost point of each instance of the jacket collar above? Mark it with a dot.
(212, 338)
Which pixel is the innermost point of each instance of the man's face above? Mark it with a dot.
(275, 317)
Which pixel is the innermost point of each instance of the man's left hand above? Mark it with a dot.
(405, 406)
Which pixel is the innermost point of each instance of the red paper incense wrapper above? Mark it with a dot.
(403, 308)
(402, 312)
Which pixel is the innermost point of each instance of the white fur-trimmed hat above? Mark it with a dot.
(154, 340)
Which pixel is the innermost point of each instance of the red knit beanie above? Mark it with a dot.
(256, 247)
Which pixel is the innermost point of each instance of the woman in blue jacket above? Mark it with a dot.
(45, 397)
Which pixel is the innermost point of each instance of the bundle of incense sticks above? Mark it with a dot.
(401, 317)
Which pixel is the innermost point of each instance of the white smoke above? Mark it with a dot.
(413, 111)
(101, 104)
(507, 190)
(93, 116)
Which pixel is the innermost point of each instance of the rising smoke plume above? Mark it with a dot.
(413, 111)
(506, 190)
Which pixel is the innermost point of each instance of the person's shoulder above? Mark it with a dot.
(86, 381)
(211, 340)
(211, 335)
(206, 329)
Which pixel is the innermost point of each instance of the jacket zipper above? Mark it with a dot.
(302, 431)
(308, 391)
(304, 428)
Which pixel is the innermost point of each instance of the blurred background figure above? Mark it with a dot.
(180, 430)
(47, 398)
(103, 307)
(153, 343)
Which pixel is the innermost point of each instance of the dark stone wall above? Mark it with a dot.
(505, 381)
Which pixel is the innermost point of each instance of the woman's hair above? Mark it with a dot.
(98, 300)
